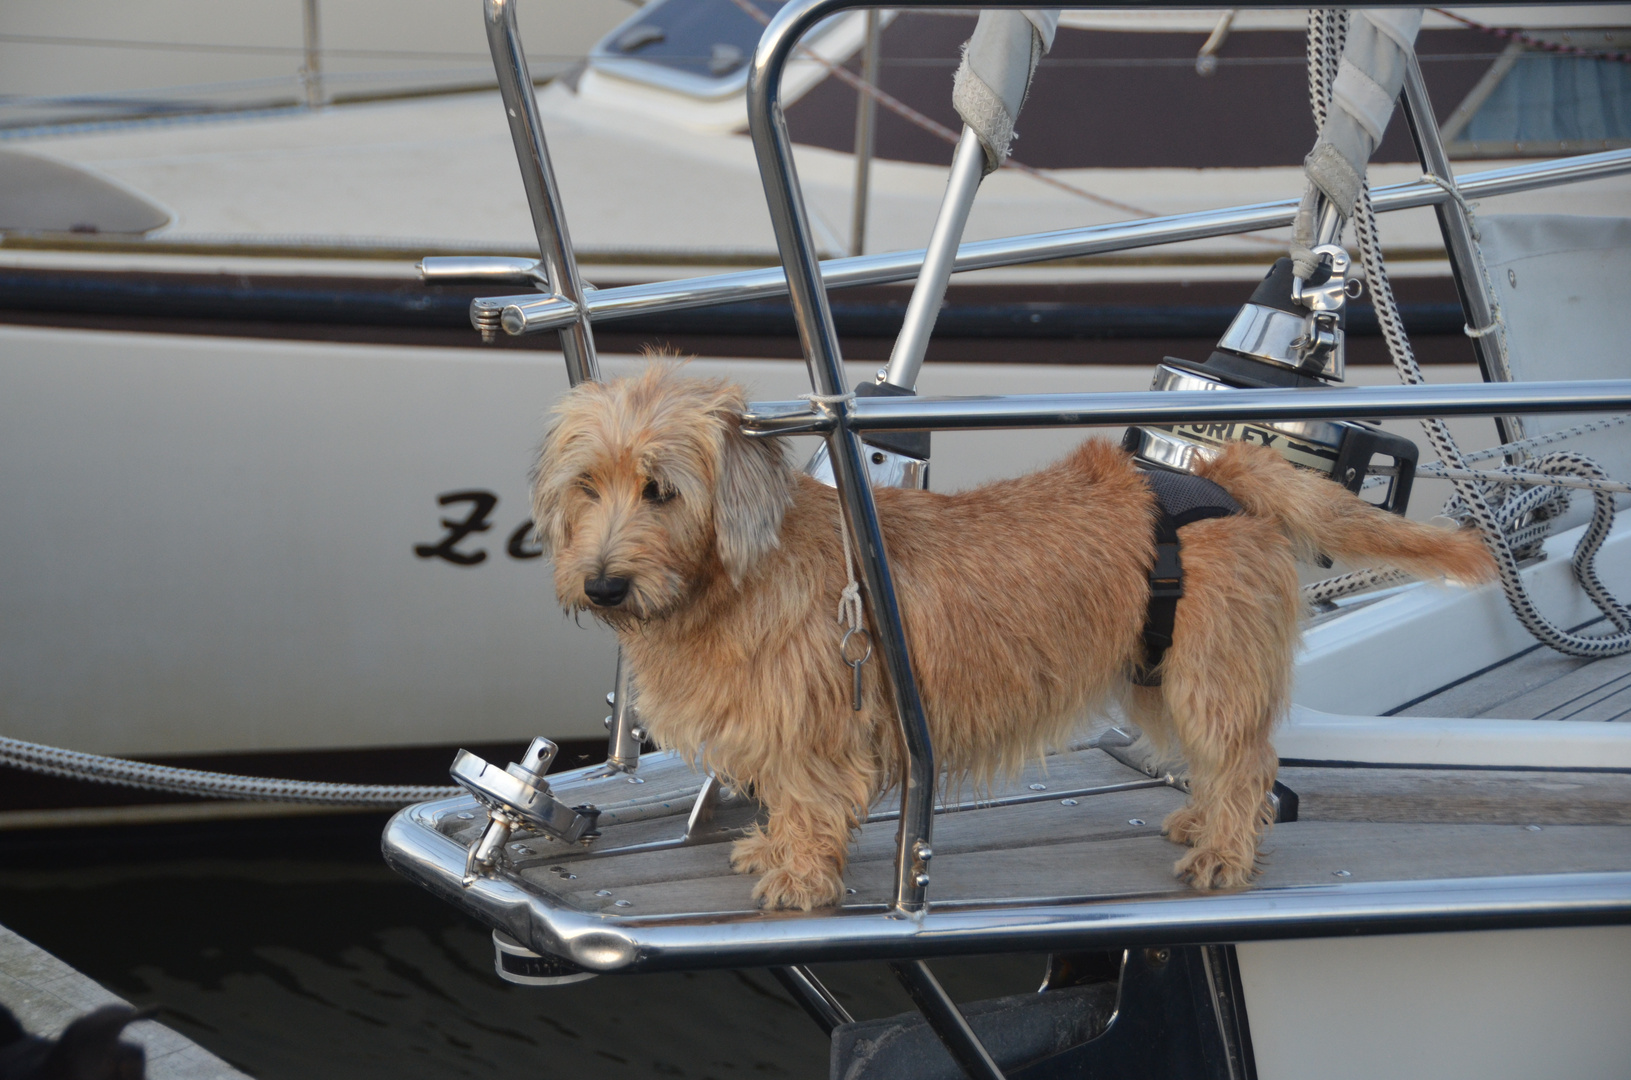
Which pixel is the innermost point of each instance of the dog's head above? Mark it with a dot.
(646, 488)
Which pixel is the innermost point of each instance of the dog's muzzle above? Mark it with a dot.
(606, 591)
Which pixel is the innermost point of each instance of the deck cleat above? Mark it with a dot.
(515, 797)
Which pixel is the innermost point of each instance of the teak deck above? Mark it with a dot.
(1373, 849)
(1355, 824)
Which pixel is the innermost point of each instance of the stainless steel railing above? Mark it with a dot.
(532, 313)
(805, 279)
(560, 266)
(841, 419)
(1186, 407)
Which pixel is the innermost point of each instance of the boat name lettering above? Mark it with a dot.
(520, 545)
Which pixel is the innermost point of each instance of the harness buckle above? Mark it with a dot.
(1167, 575)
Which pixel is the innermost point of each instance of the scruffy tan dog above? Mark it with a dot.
(1024, 601)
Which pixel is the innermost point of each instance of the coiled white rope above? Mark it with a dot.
(1512, 525)
(96, 768)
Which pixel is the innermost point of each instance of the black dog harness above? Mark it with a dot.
(1180, 499)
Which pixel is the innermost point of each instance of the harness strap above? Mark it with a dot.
(1180, 499)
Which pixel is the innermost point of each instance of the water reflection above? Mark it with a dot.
(294, 970)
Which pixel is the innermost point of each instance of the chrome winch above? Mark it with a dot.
(1290, 334)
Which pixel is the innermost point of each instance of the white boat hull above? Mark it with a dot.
(212, 541)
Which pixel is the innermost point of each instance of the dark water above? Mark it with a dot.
(292, 968)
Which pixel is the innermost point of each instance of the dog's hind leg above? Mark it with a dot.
(1227, 815)
(1225, 682)
(1146, 707)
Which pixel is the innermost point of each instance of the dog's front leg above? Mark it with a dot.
(800, 852)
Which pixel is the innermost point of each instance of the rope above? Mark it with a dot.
(1323, 592)
(850, 612)
(1535, 442)
(1534, 42)
(96, 768)
(1511, 477)
(1496, 322)
(1513, 524)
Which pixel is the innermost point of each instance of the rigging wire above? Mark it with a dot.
(935, 127)
(1533, 42)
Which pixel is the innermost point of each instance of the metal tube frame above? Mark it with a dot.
(543, 196)
(764, 418)
(967, 170)
(311, 68)
(842, 419)
(559, 267)
(623, 742)
(1459, 239)
(866, 115)
(790, 221)
(946, 1019)
(814, 998)
(813, 316)
(530, 313)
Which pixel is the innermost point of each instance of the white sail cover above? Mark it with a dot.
(995, 74)
(1374, 61)
(1558, 280)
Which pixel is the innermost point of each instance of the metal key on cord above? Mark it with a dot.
(857, 664)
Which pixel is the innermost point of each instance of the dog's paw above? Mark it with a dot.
(782, 888)
(1182, 826)
(751, 854)
(1209, 868)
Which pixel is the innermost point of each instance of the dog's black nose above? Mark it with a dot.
(606, 591)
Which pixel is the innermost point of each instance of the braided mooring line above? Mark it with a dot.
(1471, 500)
(1535, 442)
(52, 761)
(1501, 525)
(1333, 588)
(1509, 475)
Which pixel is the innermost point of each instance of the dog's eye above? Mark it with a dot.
(654, 493)
(587, 486)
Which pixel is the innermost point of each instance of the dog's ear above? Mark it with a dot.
(547, 487)
(751, 495)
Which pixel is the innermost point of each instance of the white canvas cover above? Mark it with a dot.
(995, 74)
(1560, 281)
(1367, 82)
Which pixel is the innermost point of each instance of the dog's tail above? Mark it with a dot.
(1321, 516)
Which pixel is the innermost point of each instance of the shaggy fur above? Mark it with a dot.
(1024, 603)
